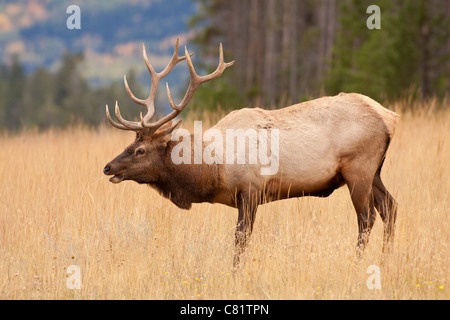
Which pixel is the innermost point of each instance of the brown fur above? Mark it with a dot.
(324, 144)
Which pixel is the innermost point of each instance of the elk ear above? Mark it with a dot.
(138, 136)
(167, 129)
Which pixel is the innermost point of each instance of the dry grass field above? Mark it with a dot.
(57, 209)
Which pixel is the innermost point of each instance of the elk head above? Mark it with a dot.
(144, 159)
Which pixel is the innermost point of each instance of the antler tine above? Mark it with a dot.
(131, 95)
(156, 77)
(175, 59)
(149, 102)
(131, 125)
(197, 80)
(115, 124)
(147, 63)
(152, 127)
(219, 70)
(144, 124)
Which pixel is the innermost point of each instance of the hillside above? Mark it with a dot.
(110, 36)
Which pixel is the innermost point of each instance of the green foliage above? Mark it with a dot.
(45, 99)
(335, 50)
(13, 99)
(216, 94)
(221, 92)
(398, 60)
(409, 56)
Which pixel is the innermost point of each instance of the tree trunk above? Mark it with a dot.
(270, 55)
(286, 39)
(296, 26)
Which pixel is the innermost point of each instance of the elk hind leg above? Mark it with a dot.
(363, 202)
(387, 207)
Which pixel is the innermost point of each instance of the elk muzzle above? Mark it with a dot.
(117, 177)
(107, 169)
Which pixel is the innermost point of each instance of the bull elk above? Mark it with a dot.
(323, 144)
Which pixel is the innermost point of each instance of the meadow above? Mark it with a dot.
(57, 209)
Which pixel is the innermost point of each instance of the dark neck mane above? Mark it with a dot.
(185, 184)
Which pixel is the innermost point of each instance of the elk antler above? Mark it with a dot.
(145, 126)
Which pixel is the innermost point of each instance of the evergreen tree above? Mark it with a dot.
(398, 60)
(15, 85)
(3, 91)
(71, 89)
(41, 110)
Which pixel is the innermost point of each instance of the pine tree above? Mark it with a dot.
(15, 85)
(404, 58)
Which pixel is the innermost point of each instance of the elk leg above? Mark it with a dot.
(366, 218)
(387, 207)
(247, 206)
(361, 194)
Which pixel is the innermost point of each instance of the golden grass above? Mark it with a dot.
(57, 209)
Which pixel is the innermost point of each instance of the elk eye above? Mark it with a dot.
(140, 151)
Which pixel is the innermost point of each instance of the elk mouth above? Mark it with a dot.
(117, 178)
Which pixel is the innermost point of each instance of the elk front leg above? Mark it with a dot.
(247, 206)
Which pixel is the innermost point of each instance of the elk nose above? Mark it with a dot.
(107, 169)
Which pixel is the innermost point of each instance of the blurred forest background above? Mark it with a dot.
(285, 51)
